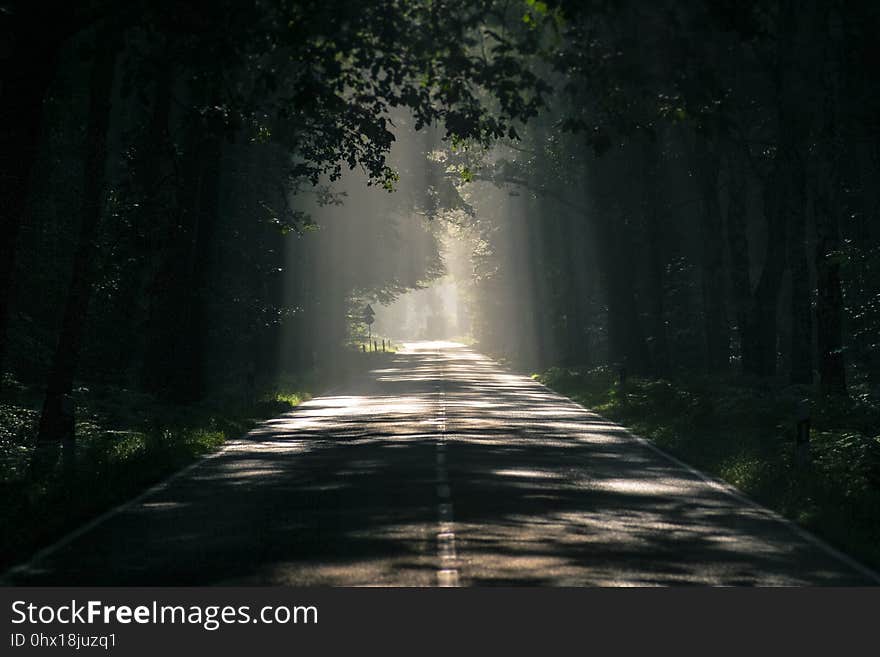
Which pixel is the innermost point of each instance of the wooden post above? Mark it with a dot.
(250, 387)
(802, 436)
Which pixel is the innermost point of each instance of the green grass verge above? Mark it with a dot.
(126, 442)
(746, 436)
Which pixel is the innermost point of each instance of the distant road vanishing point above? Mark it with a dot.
(441, 469)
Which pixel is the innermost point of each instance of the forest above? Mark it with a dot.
(665, 211)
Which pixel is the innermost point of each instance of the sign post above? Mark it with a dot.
(369, 318)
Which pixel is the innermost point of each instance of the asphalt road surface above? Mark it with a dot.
(440, 469)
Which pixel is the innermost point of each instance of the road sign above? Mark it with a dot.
(368, 320)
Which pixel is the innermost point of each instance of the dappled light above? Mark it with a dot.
(404, 292)
(344, 490)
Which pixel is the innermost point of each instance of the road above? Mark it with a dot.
(442, 468)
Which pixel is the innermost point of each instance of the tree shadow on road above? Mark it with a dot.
(343, 491)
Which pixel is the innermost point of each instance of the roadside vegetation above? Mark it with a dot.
(126, 441)
(746, 436)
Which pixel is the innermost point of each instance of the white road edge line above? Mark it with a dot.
(728, 489)
(446, 576)
(29, 565)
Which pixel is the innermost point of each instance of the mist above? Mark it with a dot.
(502, 255)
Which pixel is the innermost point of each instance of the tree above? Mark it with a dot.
(318, 80)
(56, 421)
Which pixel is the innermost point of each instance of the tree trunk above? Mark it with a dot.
(712, 260)
(784, 205)
(25, 75)
(174, 350)
(625, 339)
(826, 211)
(56, 421)
(829, 302)
(801, 317)
(738, 246)
(188, 382)
(660, 361)
(794, 79)
(651, 207)
(155, 219)
(760, 352)
(571, 299)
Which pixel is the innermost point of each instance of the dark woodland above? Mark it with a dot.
(666, 211)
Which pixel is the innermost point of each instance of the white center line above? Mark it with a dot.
(447, 573)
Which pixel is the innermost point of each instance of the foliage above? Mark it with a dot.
(126, 442)
(746, 437)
